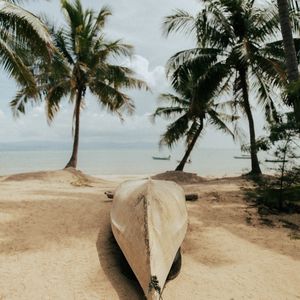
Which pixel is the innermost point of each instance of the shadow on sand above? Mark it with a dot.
(114, 265)
(118, 271)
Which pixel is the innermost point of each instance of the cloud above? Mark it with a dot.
(155, 78)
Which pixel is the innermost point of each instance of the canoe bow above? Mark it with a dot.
(149, 222)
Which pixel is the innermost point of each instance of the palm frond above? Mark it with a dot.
(219, 121)
(175, 131)
(201, 55)
(179, 21)
(209, 35)
(167, 112)
(294, 5)
(101, 20)
(174, 100)
(117, 76)
(61, 42)
(111, 98)
(25, 26)
(14, 65)
(54, 95)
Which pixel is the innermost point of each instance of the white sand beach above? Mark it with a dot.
(56, 243)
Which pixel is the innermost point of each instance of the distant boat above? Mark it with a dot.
(276, 160)
(162, 157)
(243, 156)
(187, 162)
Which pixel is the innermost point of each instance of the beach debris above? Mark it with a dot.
(191, 197)
(79, 182)
(109, 194)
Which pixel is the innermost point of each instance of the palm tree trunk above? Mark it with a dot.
(181, 165)
(289, 49)
(255, 168)
(73, 160)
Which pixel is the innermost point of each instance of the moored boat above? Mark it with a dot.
(161, 157)
(149, 223)
(189, 161)
(276, 160)
(243, 156)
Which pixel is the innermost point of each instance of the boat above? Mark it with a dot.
(162, 157)
(243, 156)
(276, 160)
(149, 223)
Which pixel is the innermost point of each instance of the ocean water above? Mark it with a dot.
(205, 162)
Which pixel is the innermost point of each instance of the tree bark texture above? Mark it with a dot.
(289, 49)
(255, 168)
(73, 160)
(190, 147)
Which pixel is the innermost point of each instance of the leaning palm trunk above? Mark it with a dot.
(255, 168)
(181, 165)
(73, 160)
(289, 49)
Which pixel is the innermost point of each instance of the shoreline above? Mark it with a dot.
(110, 176)
(205, 162)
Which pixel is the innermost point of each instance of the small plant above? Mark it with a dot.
(284, 187)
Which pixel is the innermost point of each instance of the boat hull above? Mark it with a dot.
(149, 222)
(161, 158)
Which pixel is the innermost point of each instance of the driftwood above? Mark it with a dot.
(191, 197)
(188, 197)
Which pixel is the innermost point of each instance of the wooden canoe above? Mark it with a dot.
(149, 222)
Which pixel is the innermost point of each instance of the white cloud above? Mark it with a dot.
(155, 78)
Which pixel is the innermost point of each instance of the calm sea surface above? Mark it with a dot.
(205, 162)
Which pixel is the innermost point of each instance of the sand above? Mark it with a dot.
(55, 243)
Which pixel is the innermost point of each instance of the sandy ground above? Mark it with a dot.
(55, 243)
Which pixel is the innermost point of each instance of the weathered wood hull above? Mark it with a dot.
(149, 222)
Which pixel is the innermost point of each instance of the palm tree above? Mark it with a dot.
(235, 32)
(21, 29)
(193, 105)
(84, 61)
(284, 9)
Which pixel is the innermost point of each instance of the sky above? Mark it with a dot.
(138, 23)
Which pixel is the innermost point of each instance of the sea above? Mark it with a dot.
(122, 161)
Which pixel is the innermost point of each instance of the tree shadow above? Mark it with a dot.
(238, 212)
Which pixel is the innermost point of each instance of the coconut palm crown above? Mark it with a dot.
(194, 105)
(242, 35)
(84, 61)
